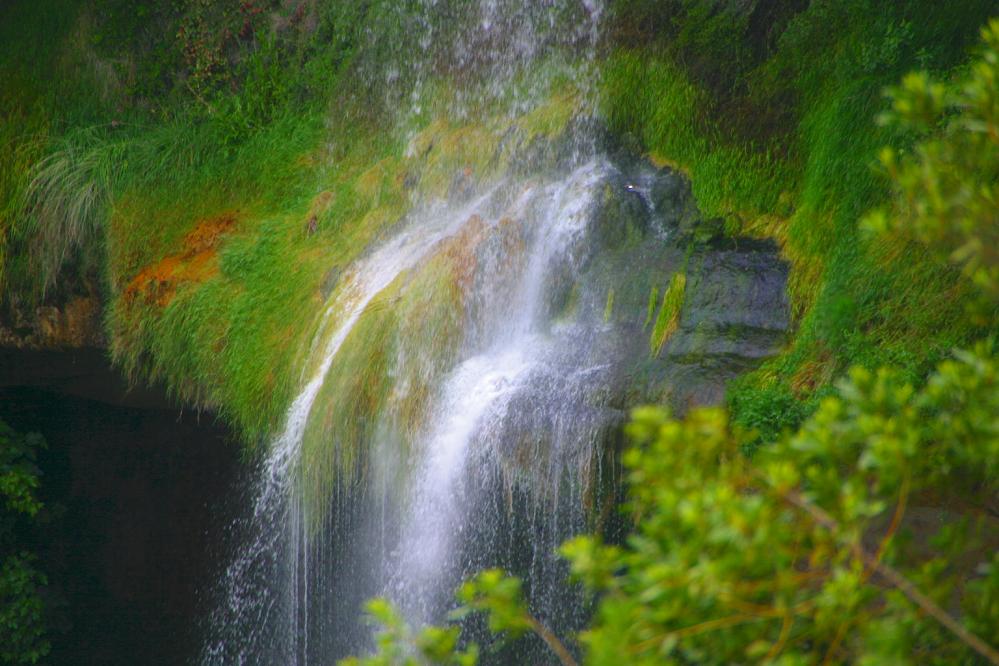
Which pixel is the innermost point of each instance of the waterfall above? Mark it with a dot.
(483, 398)
(516, 386)
(521, 375)
(482, 434)
(462, 398)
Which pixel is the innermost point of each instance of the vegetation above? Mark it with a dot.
(669, 312)
(210, 168)
(22, 610)
(769, 108)
(807, 551)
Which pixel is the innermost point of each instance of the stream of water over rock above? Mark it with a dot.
(518, 388)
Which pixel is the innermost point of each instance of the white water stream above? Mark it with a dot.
(476, 400)
(518, 354)
(436, 518)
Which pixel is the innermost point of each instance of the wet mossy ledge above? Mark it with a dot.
(225, 313)
(214, 198)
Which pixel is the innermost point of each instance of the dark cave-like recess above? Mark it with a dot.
(138, 494)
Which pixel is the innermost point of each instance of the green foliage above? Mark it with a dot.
(501, 598)
(767, 411)
(737, 560)
(22, 621)
(492, 592)
(946, 189)
(22, 610)
(18, 470)
(397, 645)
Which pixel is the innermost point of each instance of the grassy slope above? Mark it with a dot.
(823, 79)
(228, 335)
(778, 135)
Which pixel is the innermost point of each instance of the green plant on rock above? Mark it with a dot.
(668, 319)
(68, 197)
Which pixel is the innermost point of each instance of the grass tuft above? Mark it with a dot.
(668, 319)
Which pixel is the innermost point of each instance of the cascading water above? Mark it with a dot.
(276, 550)
(481, 402)
(469, 374)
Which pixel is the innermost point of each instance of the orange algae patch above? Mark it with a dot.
(157, 283)
(460, 251)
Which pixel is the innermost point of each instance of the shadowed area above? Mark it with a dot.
(135, 494)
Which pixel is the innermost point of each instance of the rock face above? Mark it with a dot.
(736, 314)
(731, 311)
(72, 323)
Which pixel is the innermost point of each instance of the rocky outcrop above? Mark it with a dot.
(730, 313)
(71, 323)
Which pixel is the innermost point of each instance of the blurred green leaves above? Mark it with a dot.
(22, 611)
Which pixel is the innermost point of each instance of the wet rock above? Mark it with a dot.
(330, 281)
(462, 184)
(734, 312)
(73, 323)
(670, 195)
(737, 302)
(621, 213)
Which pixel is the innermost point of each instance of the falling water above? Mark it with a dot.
(464, 390)
(499, 467)
(481, 402)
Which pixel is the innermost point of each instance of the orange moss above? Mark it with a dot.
(157, 283)
(459, 251)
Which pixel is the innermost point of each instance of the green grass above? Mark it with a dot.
(779, 141)
(44, 89)
(106, 185)
(808, 179)
(236, 341)
(651, 101)
(668, 318)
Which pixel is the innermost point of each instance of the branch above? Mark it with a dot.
(552, 641)
(900, 582)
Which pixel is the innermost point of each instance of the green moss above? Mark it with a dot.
(668, 319)
(385, 372)
(551, 117)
